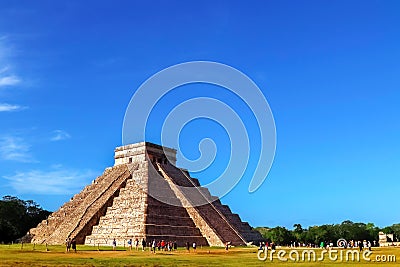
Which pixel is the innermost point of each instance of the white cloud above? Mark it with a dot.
(9, 80)
(56, 181)
(4, 107)
(15, 149)
(60, 135)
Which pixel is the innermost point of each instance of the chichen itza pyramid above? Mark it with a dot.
(144, 196)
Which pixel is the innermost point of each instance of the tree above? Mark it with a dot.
(17, 217)
(263, 231)
(328, 233)
(373, 231)
(317, 234)
(297, 228)
(299, 233)
(396, 231)
(279, 235)
(388, 230)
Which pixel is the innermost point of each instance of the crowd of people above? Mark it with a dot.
(154, 245)
(365, 244)
(163, 245)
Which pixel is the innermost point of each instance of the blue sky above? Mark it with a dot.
(329, 70)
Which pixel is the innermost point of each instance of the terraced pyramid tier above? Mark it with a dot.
(144, 196)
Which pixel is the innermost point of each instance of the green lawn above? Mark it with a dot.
(14, 255)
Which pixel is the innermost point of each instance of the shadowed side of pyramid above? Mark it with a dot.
(216, 221)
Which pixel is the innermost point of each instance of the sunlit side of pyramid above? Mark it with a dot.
(144, 196)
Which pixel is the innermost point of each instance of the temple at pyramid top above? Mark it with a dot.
(144, 196)
(139, 151)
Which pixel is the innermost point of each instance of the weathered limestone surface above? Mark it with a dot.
(136, 214)
(76, 217)
(144, 196)
(126, 217)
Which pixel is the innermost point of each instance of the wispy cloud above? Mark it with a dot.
(59, 135)
(15, 149)
(56, 181)
(4, 107)
(9, 80)
(7, 77)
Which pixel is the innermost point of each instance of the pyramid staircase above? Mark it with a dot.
(144, 196)
(76, 217)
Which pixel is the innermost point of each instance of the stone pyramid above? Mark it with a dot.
(144, 196)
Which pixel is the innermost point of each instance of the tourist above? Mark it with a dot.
(137, 244)
(130, 244)
(194, 246)
(360, 245)
(153, 246)
(114, 244)
(175, 245)
(143, 244)
(227, 245)
(68, 244)
(73, 245)
(187, 246)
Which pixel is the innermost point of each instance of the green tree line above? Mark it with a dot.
(327, 233)
(17, 217)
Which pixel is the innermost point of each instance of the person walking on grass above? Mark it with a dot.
(68, 244)
(227, 245)
(130, 244)
(143, 244)
(137, 244)
(73, 245)
(114, 244)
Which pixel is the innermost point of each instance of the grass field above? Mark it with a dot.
(14, 255)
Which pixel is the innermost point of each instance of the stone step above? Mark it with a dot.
(76, 218)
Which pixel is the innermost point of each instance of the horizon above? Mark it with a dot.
(329, 71)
